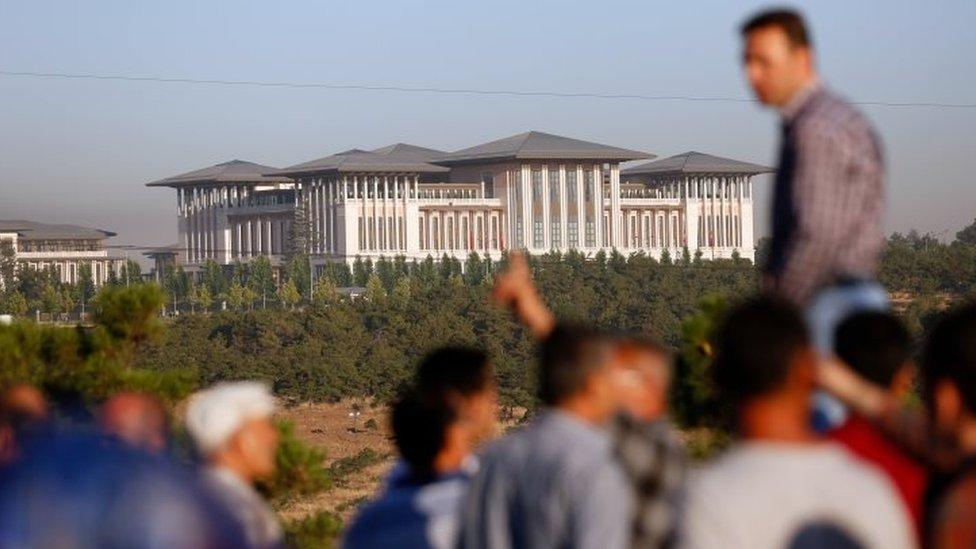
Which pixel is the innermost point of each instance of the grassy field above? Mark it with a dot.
(359, 450)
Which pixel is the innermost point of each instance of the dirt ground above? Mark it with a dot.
(330, 427)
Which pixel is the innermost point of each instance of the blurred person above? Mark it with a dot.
(554, 483)
(645, 443)
(878, 347)
(828, 200)
(74, 491)
(231, 426)
(23, 410)
(780, 485)
(943, 433)
(463, 379)
(137, 419)
(419, 507)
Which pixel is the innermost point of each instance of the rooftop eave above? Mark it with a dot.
(348, 170)
(177, 183)
(557, 155)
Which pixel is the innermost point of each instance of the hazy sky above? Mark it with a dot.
(80, 151)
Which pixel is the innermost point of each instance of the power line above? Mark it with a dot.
(455, 91)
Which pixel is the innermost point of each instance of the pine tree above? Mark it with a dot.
(325, 292)
(288, 294)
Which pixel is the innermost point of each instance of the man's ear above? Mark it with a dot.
(947, 404)
(807, 57)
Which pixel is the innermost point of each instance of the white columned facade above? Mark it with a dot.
(616, 240)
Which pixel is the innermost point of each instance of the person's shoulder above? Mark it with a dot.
(390, 508)
(847, 470)
(503, 451)
(830, 114)
(725, 476)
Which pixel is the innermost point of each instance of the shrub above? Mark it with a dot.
(320, 530)
(90, 364)
(366, 457)
(693, 400)
(300, 469)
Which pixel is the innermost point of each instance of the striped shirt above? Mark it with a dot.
(828, 199)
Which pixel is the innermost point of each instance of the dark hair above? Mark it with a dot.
(874, 344)
(756, 344)
(569, 356)
(950, 354)
(420, 432)
(645, 345)
(448, 370)
(787, 20)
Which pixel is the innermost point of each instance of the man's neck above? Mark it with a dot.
(776, 419)
(789, 109)
(451, 458)
(581, 409)
(230, 462)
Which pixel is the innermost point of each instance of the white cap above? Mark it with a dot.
(216, 414)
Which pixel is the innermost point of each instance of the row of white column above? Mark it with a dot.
(198, 206)
(252, 237)
(720, 217)
(585, 180)
(382, 211)
(467, 230)
(654, 228)
(68, 271)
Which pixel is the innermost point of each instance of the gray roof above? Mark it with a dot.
(407, 151)
(162, 250)
(535, 145)
(235, 171)
(32, 230)
(693, 162)
(356, 160)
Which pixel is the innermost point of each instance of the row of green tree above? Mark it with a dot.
(337, 346)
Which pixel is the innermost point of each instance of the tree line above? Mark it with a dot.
(314, 342)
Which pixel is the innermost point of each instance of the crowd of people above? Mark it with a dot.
(845, 432)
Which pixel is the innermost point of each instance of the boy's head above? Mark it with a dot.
(763, 351)
(423, 430)
(577, 367)
(949, 370)
(463, 379)
(878, 347)
(643, 378)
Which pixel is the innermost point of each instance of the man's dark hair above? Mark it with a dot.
(453, 370)
(569, 356)
(789, 21)
(950, 354)
(420, 432)
(874, 344)
(756, 344)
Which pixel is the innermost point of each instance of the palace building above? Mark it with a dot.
(533, 191)
(61, 248)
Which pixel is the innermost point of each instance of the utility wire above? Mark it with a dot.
(456, 91)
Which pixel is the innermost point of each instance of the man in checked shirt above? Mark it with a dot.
(828, 199)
